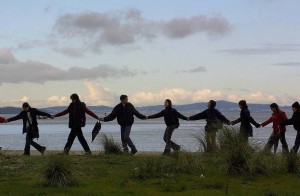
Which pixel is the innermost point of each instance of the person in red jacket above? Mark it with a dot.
(3, 120)
(277, 117)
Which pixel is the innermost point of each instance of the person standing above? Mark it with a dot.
(277, 117)
(171, 116)
(76, 111)
(295, 121)
(30, 126)
(246, 120)
(124, 112)
(214, 122)
(2, 120)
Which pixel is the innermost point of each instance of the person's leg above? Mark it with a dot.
(276, 141)
(285, 148)
(70, 141)
(269, 143)
(128, 140)
(213, 141)
(27, 144)
(82, 140)
(167, 138)
(124, 143)
(208, 139)
(173, 145)
(37, 146)
(297, 143)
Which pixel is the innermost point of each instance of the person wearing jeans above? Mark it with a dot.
(76, 111)
(29, 116)
(124, 113)
(171, 116)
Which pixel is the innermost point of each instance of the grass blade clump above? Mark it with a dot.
(58, 172)
(234, 151)
(151, 167)
(201, 142)
(292, 163)
(109, 145)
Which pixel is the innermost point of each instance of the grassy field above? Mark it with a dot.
(148, 174)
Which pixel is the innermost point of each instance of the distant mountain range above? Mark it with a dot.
(223, 106)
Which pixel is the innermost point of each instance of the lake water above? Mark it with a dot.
(147, 135)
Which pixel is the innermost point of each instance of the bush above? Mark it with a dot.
(292, 163)
(201, 142)
(235, 151)
(109, 145)
(58, 172)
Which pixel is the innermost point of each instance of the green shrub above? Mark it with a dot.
(235, 152)
(58, 172)
(292, 163)
(109, 145)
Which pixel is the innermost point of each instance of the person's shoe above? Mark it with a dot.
(88, 153)
(166, 153)
(177, 148)
(65, 152)
(43, 150)
(133, 151)
(26, 154)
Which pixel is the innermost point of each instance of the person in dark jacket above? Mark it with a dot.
(2, 120)
(29, 116)
(295, 121)
(124, 112)
(277, 117)
(246, 120)
(171, 116)
(214, 122)
(76, 111)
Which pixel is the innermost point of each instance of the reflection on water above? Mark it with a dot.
(146, 135)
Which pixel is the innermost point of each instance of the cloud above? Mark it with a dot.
(183, 27)
(288, 64)
(253, 97)
(69, 51)
(196, 70)
(128, 27)
(264, 49)
(13, 71)
(177, 95)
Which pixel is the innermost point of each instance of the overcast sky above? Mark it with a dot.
(187, 51)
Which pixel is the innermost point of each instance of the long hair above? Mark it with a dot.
(169, 102)
(243, 104)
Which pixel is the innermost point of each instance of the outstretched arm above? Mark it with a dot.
(18, 117)
(89, 112)
(198, 116)
(157, 115)
(62, 113)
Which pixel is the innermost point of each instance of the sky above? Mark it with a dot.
(187, 51)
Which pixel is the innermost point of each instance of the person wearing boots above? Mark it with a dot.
(77, 118)
(30, 126)
(171, 116)
(124, 113)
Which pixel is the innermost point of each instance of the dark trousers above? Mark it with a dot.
(76, 131)
(297, 143)
(272, 141)
(210, 138)
(284, 144)
(125, 138)
(29, 141)
(167, 138)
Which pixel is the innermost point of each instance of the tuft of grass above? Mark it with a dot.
(235, 152)
(109, 145)
(292, 163)
(58, 172)
(201, 142)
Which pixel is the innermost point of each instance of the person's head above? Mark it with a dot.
(74, 97)
(25, 106)
(274, 107)
(211, 104)
(295, 106)
(168, 103)
(124, 99)
(243, 104)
